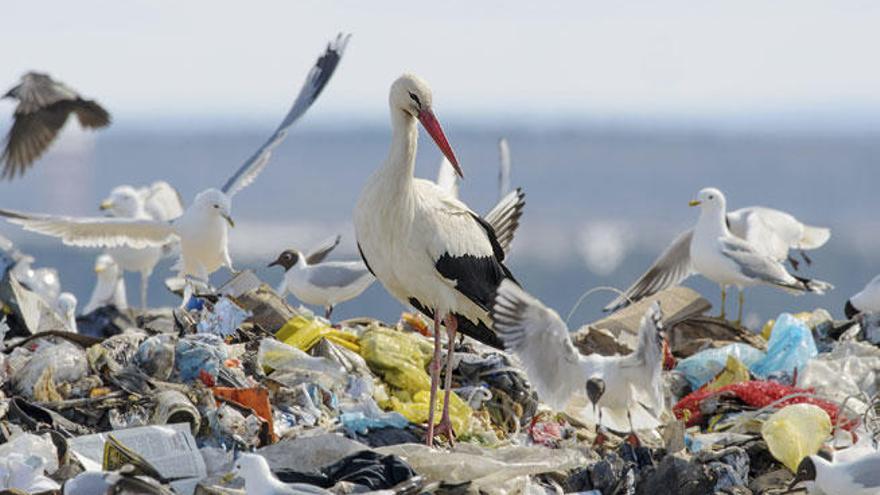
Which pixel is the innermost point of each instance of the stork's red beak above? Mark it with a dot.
(429, 121)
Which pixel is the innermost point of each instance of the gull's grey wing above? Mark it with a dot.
(447, 179)
(43, 108)
(317, 79)
(669, 269)
(754, 264)
(539, 338)
(504, 217)
(321, 251)
(503, 168)
(337, 274)
(95, 232)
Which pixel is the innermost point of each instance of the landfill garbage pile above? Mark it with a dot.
(241, 393)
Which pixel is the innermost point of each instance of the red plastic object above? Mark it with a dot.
(756, 394)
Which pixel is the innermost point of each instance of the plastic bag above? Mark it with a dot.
(278, 356)
(795, 432)
(734, 372)
(199, 353)
(702, 367)
(790, 347)
(62, 362)
(33, 445)
(497, 470)
(303, 333)
(400, 358)
(224, 319)
(850, 369)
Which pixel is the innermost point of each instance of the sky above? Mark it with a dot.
(793, 61)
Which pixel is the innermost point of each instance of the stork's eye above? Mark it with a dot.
(416, 99)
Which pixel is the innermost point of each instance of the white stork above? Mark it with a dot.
(428, 248)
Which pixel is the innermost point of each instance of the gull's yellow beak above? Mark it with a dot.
(106, 205)
(229, 221)
(99, 269)
(694, 202)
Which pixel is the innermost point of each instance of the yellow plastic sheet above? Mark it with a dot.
(303, 333)
(734, 372)
(795, 432)
(401, 359)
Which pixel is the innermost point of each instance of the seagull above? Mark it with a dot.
(626, 390)
(323, 283)
(866, 300)
(203, 227)
(857, 477)
(714, 250)
(161, 202)
(259, 480)
(67, 310)
(109, 286)
(504, 216)
(427, 248)
(43, 107)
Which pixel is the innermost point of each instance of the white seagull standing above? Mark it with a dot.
(322, 283)
(203, 228)
(161, 202)
(109, 286)
(504, 216)
(866, 300)
(626, 391)
(857, 477)
(425, 246)
(751, 256)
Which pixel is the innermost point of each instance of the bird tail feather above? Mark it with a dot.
(644, 366)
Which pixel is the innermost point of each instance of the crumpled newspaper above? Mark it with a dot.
(224, 319)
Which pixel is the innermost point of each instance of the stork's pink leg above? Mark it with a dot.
(435, 380)
(445, 425)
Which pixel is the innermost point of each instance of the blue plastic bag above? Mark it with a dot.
(791, 346)
(195, 353)
(702, 367)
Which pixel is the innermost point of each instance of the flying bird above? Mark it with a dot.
(160, 202)
(43, 107)
(866, 300)
(856, 477)
(427, 248)
(322, 283)
(109, 285)
(624, 392)
(202, 229)
(742, 249)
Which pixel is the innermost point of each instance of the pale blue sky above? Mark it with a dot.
(180, 60)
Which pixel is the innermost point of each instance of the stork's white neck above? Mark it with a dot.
(397, 171)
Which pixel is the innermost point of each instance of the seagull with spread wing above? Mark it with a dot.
(202, 229)
(160, 202)
(742, 248)
(626, 392)
(44, 105)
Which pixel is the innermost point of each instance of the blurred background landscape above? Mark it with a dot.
(616, 116)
